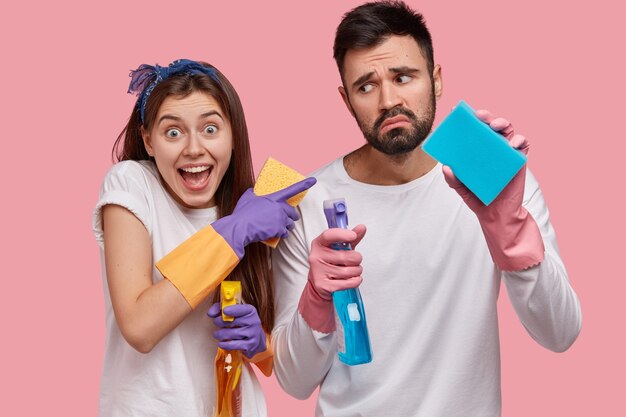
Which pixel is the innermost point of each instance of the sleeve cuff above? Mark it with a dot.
(198, 265)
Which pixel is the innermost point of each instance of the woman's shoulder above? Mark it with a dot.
(129, 184)
(133, 169)
(139, 173)
(132, 176)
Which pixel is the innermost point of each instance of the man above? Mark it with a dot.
(433, 257)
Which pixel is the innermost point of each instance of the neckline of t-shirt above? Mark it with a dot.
(197, 213)
(341, 172)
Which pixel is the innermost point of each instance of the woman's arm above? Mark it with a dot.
(145, 312)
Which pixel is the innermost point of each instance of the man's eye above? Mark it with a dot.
(210, 129)
(403, 79)
(366, 88)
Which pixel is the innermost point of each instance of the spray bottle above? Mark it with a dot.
(228, 363)
(352, 334)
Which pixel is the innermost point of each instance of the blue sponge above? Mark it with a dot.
(480, 157)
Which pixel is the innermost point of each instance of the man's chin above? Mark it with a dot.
(394, 150)
(396, 146)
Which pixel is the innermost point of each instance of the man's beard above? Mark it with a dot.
(400, 140)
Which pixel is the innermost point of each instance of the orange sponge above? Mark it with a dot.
(275, 176)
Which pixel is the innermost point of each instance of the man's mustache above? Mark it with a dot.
(392, 113)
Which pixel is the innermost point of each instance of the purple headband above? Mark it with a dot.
(146, 77)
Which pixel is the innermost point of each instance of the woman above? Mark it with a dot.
(184, 162)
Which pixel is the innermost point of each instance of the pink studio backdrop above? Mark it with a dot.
(553, 68)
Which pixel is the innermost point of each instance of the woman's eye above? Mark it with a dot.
(366, 88)
(403, 79)
(172, 133)
(210, 129)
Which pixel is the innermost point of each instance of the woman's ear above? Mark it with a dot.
(146, 142)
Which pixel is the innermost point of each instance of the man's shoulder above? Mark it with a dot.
(328, 172)
(331, 183)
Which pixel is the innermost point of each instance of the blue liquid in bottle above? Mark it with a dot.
(354, 341)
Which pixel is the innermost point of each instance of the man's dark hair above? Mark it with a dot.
(372, 23)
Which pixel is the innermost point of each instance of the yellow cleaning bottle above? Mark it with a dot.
(228, 363)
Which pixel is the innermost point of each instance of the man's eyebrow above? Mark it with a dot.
(396, 70)
(403, 70)
(362, 79)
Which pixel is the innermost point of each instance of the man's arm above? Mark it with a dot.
(541, 295)
(302, 356)
(522, 243)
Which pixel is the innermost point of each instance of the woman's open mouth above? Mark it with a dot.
(195, 177)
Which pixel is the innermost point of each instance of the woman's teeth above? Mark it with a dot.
(195, 170)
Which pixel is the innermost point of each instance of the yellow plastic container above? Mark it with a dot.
(228, 363)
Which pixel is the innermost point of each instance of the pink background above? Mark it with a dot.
(553, 68)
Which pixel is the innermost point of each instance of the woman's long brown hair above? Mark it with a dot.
(253, 270)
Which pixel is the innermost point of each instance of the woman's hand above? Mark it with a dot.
(257, 218)
(244, 333)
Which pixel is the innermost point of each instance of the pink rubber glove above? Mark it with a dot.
(330, 270)
(512, 235)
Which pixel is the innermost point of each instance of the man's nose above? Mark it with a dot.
(389, 97)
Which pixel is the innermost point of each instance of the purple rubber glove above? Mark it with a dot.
(258, 218)
(512, 235)
(330, 270)
(244, 333)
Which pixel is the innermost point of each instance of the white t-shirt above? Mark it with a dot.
(429, 290)
(177, 377)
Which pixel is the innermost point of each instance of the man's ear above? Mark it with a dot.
(437, 81)
(346, 99)
(146, 142)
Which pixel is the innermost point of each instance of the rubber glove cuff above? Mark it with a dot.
(514, 241)
(316, 310)
(233, 230)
